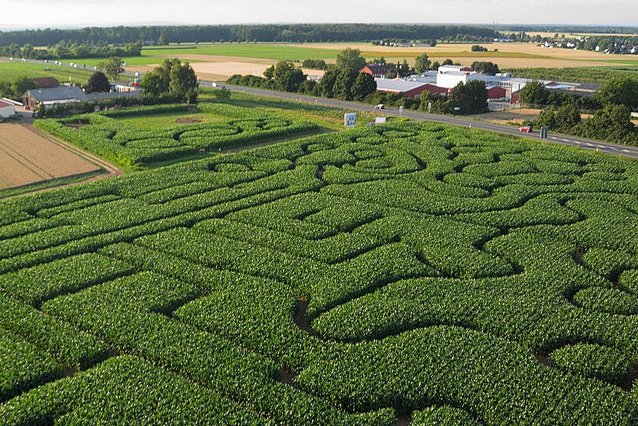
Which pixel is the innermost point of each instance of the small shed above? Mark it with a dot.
(7, 109)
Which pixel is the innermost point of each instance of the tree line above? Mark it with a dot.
(65, 50)
(245, 33)
(611, 121)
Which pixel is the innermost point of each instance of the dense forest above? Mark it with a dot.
(251, 33)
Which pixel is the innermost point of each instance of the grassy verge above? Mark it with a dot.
(49, 184)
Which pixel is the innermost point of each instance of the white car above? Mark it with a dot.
(380, 106)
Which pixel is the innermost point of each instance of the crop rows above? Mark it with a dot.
(126, 145)
(446, 276)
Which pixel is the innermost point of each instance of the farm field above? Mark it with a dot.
(140, 137)
(10, 71)
(220, 61)
(407, 272)
(28, 158)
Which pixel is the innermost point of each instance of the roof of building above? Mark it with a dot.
(57, 94)
(381, 68)
(399, 85)
(4, 104)
(46, 82)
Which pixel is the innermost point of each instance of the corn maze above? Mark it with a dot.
(103, 134)
(404, 274)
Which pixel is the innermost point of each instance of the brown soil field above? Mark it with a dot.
(26, 157)
(219, 68)
(516, 115)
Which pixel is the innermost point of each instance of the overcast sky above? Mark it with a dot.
(32, 13)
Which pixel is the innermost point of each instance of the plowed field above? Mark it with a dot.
(27, 158)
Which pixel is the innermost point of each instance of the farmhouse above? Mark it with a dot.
(379, 70)
(52, 96)
(407, 88)
(6, 109)
(66, 94)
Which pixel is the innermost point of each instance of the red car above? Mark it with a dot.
(525, 129)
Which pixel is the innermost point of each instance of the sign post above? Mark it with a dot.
(350, 120)
(544, 132)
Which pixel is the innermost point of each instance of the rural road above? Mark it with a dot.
(588, 144)
(568, 140)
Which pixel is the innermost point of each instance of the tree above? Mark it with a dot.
(422, 63)
(97, 83)
(619, 91)
(364, 85)
(22, 84)
(448, 61)
(287, 76)
(342, 88)
(567, 116)
(172, 78)
(470, 97)
(268, 73)
(489, 68)
(113, 67)
(547, 118)
(436, 65)
(612, 123)
(183, 82)
(534, 93)
(351, 59)
(326, 85)
(153, 84)
(403, 69)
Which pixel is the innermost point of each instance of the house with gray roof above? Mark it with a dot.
(66, 94)
(55, 95)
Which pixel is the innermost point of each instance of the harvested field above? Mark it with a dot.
(517, 115)
(27, 158)
(213, 67)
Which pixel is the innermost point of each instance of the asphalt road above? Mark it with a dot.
(588, 144)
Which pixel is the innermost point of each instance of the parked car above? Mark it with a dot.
(525, 129)
(380, 106)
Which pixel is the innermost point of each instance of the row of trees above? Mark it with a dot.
(611, 120)
(341, 81)
(249, 33)
(64, 50)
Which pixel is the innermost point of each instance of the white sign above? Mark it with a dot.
(380, 120)
(350, 119)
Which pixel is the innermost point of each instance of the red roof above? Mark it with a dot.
(4, 104)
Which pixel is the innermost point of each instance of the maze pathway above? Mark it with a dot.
(404, 272)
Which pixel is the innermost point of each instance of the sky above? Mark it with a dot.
(77, 13)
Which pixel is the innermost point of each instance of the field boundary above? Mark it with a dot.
(106, 170)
